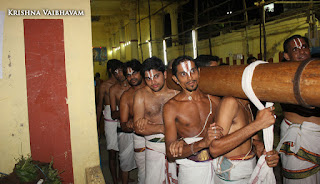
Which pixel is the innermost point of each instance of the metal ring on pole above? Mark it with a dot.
(296, 83)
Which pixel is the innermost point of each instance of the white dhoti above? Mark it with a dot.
(299, 150)
(158, 169)
(126, 151)
(139, 143)
(235, 170)
(191, 171)
(110, 129)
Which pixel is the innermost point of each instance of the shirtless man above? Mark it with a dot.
(299, 123)
(132, 72)
(180, 121)
(123, 138)
(148, 121)
(187, 119)
(235, 158)
(110, 127)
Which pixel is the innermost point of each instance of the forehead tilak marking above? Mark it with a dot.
(300, 43)
(130, 71)
(150, 74)
(186, 67)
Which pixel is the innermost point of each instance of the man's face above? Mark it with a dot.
(134, 78)
(187, 75)
(118, 74)
(298, 50)
(155, 79)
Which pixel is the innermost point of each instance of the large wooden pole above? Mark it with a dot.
(272, 82)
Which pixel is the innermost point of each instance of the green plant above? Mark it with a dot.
(52, 175)
(26, 170)
(29, 170)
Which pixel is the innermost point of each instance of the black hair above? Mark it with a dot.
(204, 60)
(286, 42)
(249, 60)
(97, 74)
(112, 65)
(179, 60)
(152, 63)
(134, 64)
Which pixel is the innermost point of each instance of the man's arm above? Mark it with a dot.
(124, 112)
(138, 106)
(179, 149)
(115, 114)
(170, 129)
(226, 112)
(102, 92)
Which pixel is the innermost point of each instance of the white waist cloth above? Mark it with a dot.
(158, 169)
(126, 151)
(299, 151)
(140, 158)
(191, 172)
(110, 129)
(233, 171)
(139, 141)
(156, 146)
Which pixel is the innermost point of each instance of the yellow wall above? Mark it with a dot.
(99, 39)
(14, 131)
(277, 31)
(101, 67)
(226, 45)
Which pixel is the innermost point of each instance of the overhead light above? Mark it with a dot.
(165, 52)
(194, 43)
(150, 49)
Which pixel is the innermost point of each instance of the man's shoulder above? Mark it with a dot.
(140, 93)
(128, 93)
(214, 99)
(142, 90)
(171, 105)
(174, 92)
(171, 101)
(115, 86)
(230, 101)
(108, 83)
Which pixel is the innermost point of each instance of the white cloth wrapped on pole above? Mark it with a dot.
(263, 174)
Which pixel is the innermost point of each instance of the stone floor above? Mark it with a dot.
(104, 163)
(134, 174)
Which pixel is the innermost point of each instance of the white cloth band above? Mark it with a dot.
(262, 173)
(247, 89)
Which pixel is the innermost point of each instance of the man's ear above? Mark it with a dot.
(174, 78)
(286, 56)
(165, 74)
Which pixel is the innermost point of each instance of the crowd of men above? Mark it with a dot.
(191, 137)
